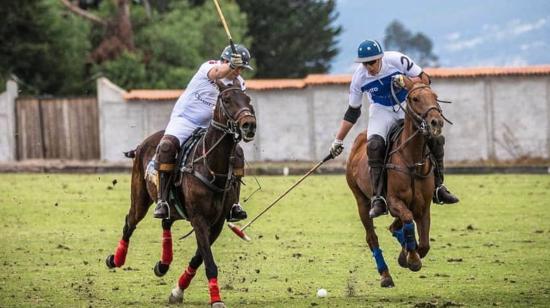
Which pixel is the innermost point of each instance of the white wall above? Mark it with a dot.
(496, 117)
(7, 122)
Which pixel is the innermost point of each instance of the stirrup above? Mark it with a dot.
(436, 198)
(378, 198)
(160, 205)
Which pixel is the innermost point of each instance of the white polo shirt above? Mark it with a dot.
(377, 87)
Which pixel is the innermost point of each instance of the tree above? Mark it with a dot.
(171, 46)
(43, 47)
(291, 38)
(118, 33)
(156, 43)
(418, 46)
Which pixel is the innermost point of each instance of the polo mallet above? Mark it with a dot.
(220, 13)
(240, 231)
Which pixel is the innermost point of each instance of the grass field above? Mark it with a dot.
(491, 250)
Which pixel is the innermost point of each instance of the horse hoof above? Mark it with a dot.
(176, 296)
(110, 261)
(413, 261)
(387, 282)
(402, 260)
(415, 267)
(218, 305)
(161, 269)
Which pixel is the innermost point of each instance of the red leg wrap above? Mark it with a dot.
(186, 277)
(120, 253)
(214, 290)
(166, 257)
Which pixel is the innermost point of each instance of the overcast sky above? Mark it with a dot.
(465, 33)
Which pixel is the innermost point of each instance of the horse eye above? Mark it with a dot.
(415, 99)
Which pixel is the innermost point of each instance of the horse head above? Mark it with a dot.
(236, 111)
(423, 108)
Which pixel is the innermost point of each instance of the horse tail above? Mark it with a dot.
(130, 154)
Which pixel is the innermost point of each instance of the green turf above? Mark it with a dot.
(56, 230)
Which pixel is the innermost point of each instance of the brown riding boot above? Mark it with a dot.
(165, 163)
(441, 194)
(376, 150)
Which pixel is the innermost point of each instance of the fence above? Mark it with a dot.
(57, 128)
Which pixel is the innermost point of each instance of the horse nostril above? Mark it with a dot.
(246, 126)
(436, 123)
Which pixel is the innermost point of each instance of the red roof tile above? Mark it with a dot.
(152, 95)
(320, 79)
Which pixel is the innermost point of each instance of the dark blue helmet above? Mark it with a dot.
(369, 50)
(240, 49)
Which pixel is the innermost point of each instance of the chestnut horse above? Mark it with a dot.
(410, 180)
(209, 187)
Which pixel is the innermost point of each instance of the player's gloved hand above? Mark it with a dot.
(336, 148)
(236, 61)
(398, 81)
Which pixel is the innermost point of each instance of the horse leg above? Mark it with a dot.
(138, 209)
(407, 238)
(423, 226)
(363, 206)
(162, 266)
(176, 296)
(396, 229)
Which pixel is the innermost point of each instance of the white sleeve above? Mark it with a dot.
(355, 93)
(206, 67)
(406, 64)
(241, 80)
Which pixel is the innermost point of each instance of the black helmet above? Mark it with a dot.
(240, 49)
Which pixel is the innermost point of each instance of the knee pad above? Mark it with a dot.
(376, 149)
(166, 153)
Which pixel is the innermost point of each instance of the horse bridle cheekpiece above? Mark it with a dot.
(420, 119)
(232, 125)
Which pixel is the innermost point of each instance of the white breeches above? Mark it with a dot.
(180, 128)
(381, 119)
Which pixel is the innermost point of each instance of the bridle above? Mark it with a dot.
(419, 119)
(231, 126)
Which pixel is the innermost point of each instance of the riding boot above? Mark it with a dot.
(165, 163)
(441, 194)
(237, 213)
(376, 151)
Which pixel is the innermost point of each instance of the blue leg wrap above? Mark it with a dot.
(379, 258)
(408, 232)
(398, 234)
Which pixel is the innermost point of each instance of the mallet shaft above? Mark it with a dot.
(287, 191)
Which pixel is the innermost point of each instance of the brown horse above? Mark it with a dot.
(208, 186)
(410, 181)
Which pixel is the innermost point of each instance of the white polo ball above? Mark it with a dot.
(322, 293)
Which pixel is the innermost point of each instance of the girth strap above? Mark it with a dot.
(206, 182)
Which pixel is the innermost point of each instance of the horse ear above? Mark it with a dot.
(237, 82)
(221, 85)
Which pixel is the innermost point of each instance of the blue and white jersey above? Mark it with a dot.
(377, 87)
(197, 103)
